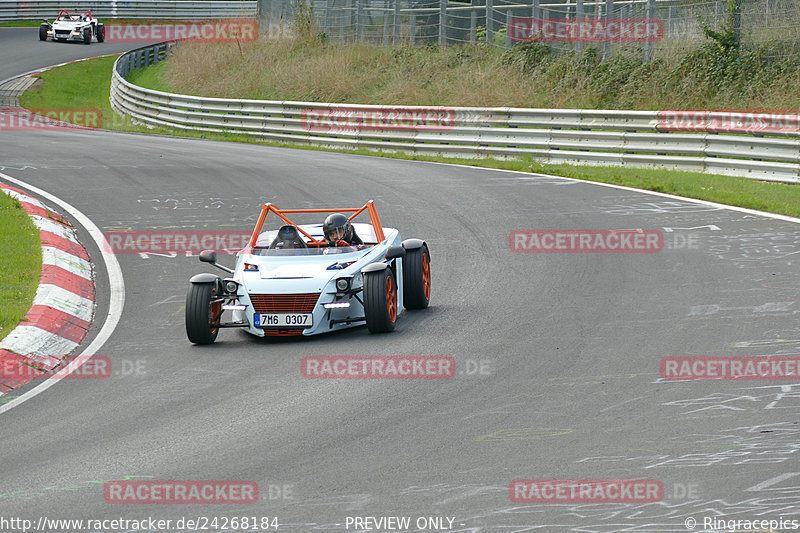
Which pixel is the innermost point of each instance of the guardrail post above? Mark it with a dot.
(608, 14)
(473, 21)
(396, 24)
(579, 15)
(668, 29)
(651, 14)
(509, 16)
(413, 28)
(348, 18)
(342, 24)
(360, 20)
(386, 23)
(489, 21)
(535, 11)
(326, 27)
(442, 22)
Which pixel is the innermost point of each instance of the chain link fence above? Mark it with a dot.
(656, 26)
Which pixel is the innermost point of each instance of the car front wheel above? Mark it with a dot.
(203, 311)
(43, 32)
(87, 36)
(417, 278)
(380, 301)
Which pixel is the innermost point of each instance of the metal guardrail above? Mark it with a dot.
(599, 137)
(131, 9)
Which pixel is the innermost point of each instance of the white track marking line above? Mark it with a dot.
(785, 218)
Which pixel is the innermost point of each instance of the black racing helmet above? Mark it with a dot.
(337, 227)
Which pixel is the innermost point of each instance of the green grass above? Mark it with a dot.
(21, 24)
(82, 84)
(21, 257)
(150, 77)
(87, 84)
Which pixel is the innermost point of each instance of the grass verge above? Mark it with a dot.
(21, 257)
(21, 24)
(532, 76)
(87, 84)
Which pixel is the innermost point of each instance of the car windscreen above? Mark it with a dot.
(325, 250)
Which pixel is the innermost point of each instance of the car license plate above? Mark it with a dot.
(282, 320)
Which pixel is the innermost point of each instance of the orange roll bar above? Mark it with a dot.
(266, 209)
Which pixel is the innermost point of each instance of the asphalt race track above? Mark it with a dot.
(557, 355)
(21, 54)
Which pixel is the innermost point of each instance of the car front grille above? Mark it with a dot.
(284, 303)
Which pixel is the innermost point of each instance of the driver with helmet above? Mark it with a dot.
(339, 232)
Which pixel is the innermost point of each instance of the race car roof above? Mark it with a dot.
(369, 207)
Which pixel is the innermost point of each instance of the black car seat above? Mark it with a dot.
(288, 237)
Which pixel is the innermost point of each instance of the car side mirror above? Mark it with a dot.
(395, 251)
(208, 256)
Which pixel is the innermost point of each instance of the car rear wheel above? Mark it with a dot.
(43, 32)
(203, 311)
(87, 36)
(380, 301)
(101, 33)
(417, 278)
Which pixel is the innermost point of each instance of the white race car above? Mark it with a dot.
(292, 281)
(73, 27)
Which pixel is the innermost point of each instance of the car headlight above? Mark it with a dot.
(342, 284)
(231, 286)
(336, 305)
